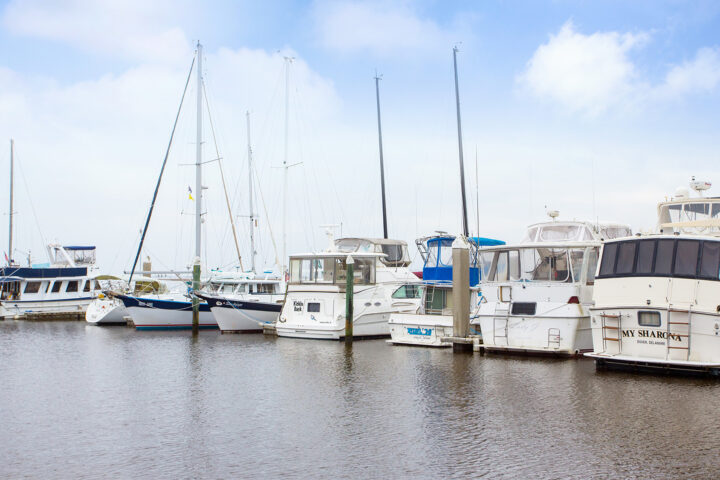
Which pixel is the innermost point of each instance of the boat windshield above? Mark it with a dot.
(559, 233)
(350, 245)
(330, 270)
(536, 264)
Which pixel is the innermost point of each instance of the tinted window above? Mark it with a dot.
(313, 307)
(32, 287)
(56, 286)
(72, 286)
(608, 259)
(710, 262)
(649, 319)
(625, 258)
(645, 254)
(86, 288)
(686, 257)
(664, 257)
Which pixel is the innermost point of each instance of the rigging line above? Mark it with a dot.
(272, 237)
(222, 177)
(162, 170)
(32, 208)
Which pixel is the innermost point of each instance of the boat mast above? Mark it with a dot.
(198, 158)
(382, 167)
(460, 146)
(250, 196)
(198, 196)
(288, 61)
(10, 233)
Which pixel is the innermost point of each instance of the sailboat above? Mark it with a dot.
(258, 301)
(62, 288)
(315, 303)
(434, 319)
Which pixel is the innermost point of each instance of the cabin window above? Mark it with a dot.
(72, 286)
(395, 254)
(649, 319)
(265, 288)
(446, 253)
(56, 286)
(501, 269)
(545, 265)
(625, 258)
(408, 291)
(664, 257)
(710, 261)
(295, 266)
(686, 258)
(607, 267)
(240, 288)
(313, 307)
(523, 308)
(32, 287)
(86, 288)
(645, 255)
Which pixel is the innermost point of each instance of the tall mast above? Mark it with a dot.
(477, 192)
(460, 146)
(198, 158)
(250, 195)
(10, 233)
(382, 167)
(288, 61)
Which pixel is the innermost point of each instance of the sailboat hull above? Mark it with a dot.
(238, 316)
(161, 314)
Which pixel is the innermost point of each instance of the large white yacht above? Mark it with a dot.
(65, 286)
(315, 304)
(536, 294)
(657, 296)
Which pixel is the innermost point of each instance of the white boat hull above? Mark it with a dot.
(420, 330)
(29, 308)
(367, 326)
(162, 314)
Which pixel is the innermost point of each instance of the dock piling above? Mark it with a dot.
(461, 295)
(349, 285)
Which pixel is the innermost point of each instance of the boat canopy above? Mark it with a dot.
(71, 256)
(437, 254)
(575, 231)
(690, 215)
(396, 251)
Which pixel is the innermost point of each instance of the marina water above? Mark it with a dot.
(80, 401)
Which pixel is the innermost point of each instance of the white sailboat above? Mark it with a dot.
(656, 295)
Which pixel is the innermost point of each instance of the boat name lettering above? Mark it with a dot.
(426, 332)
(297, 306)
(651, 334)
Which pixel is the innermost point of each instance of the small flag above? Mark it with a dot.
(190, 193)
(6, 257)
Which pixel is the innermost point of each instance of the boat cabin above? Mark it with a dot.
(329, 268)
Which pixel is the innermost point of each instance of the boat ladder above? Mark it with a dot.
(500, 327)
(611, 331)
(671, 334)
(553, 337)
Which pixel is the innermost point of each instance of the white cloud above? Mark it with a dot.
(590, 74)
(381, 27)
(702, 74)
(131, 29)
(583, 73)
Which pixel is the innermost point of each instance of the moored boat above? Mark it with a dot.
(536, 294)
(656, 295)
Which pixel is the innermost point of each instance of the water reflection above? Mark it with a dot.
(83, 401)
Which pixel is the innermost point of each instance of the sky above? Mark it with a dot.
(597, 109)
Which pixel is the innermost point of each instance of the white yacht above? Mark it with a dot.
(315, 304)
(434, 318)
(536, 295)
(247, 306)
(106, 309)
(657, 296)
(65, 286)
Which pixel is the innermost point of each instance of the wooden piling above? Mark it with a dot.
(349, 287)
(461, 296)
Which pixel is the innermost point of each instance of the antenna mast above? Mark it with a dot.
(460, 146)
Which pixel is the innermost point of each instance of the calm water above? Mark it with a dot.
(78, 401)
